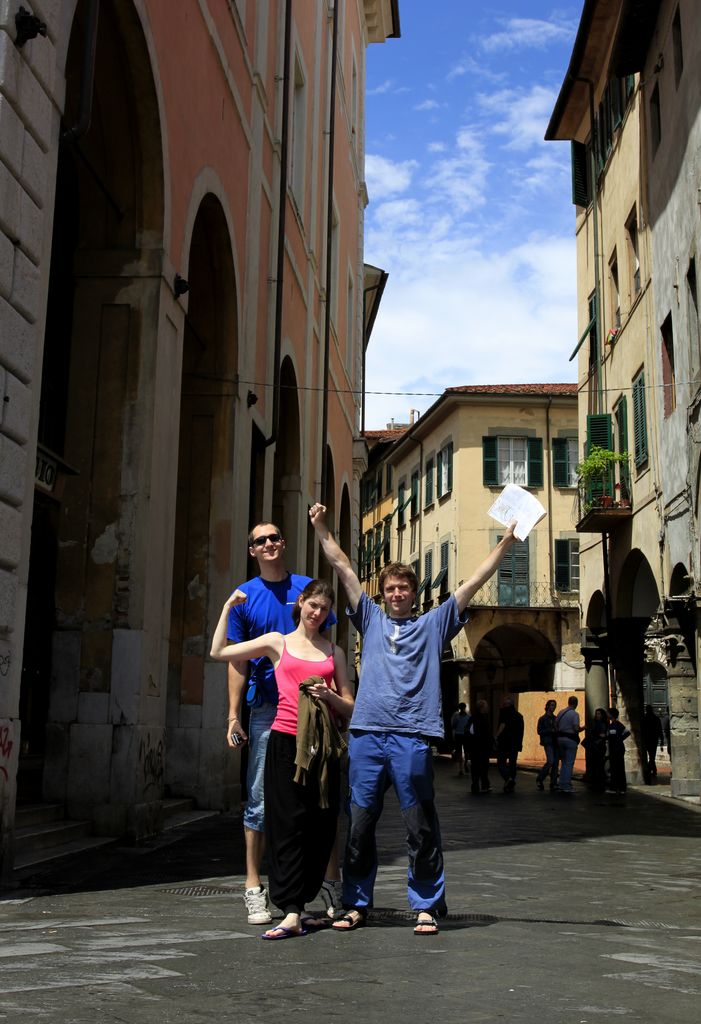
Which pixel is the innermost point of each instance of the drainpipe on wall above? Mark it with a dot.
(329, 257)
(282, 192)
(87, 80)
(551, 554)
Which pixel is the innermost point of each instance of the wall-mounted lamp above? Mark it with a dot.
(180, 286)
(251, 398)
(28, 27)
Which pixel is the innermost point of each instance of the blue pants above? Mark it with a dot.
(378, 760)
(258, 732)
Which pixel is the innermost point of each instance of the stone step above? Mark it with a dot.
(38, 814)
(49, 834)
(31, 858)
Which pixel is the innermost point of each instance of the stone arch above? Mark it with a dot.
(596, 610)
(325, 570)
(204, 507)
(287, 472)
(87, 602)
(637, 594)
(679, 581)
(345, 540)
(497, 670)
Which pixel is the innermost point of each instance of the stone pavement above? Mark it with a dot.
(562, 911)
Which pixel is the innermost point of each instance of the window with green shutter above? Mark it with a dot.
(444, 474)
(621, 417)
(535, 462)
(490, 470)
(581, 192)
(639, 420)
(414, 494)
(564, 461)
(428, 483)
(513, 576)
(567, 565)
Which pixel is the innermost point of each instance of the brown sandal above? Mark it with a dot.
(352, 919)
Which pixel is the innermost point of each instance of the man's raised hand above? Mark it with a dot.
(317, 514)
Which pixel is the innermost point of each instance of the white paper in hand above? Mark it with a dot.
(515, 503)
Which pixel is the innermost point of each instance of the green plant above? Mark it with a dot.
(596, 476)
(598, 464)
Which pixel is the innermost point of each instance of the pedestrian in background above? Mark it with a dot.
(595, 745)
(568, 730)
(481, 748)
(652, 737)
(617, 735)
(547, 733)
(509, 742)
(459, 724)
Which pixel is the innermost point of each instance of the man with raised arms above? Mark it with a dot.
(397, 707)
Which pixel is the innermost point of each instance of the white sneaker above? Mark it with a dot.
(256, 901)
(331, 894)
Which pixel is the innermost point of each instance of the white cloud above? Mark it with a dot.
(461, 179)
(383, 87)
(436, 147)
(385, 177)
(527, 33)
(483, 318)
(521, 115)
(427, 105)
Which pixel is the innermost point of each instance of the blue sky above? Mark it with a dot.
(470, 209)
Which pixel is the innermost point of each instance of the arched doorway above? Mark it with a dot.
(88, 561)
(202, 550)
(345, 542)
(287, 479)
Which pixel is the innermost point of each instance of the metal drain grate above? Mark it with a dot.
(200, 891)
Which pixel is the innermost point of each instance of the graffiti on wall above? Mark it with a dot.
(6, 744)
(151, 758)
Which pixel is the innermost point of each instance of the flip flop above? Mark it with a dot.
(352, 922)
(426, 926)
(284, 933)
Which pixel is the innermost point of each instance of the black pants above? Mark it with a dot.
(479, 768)
(299, 834)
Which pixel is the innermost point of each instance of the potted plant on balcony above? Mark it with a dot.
(596, 476)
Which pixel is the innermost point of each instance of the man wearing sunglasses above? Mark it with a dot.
(270, 598)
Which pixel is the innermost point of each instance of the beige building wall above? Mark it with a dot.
(518, 639)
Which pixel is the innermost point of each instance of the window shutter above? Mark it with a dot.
(449, 457)
(562, 565)
(535, 462)
(401, 504)
(428, 484)
(580, 176)
(490, 471)
(560, 468)
(439, 474)
(599, 431)
(622, 428)
(639, 420)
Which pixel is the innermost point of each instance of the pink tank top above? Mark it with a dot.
(289, 674)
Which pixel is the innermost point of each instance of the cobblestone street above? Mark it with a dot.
(561, 911)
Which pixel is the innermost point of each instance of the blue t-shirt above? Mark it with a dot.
(268, 609)
(400, 678)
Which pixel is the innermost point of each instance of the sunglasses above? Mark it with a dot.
(260, 542)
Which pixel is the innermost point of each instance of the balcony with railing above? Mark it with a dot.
(538, 594)
(604, 498)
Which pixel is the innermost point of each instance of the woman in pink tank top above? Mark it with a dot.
(299, 833)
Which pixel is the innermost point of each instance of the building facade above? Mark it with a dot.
(181, 345)
(425, 503)
(630, 105)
